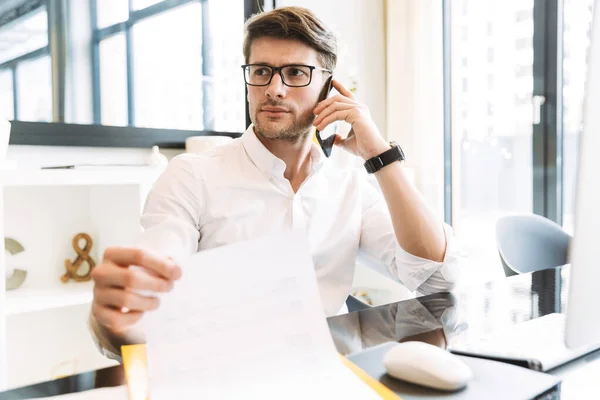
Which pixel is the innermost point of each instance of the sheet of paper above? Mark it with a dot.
(245, 318)
(113, 393)
(335, 382)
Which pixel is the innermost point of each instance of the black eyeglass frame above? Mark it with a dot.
(278, 70)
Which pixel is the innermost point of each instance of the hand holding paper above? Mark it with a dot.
(247, 320)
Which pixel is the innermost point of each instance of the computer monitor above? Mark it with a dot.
(583, 314)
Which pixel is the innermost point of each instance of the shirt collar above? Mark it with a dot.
(267, 163)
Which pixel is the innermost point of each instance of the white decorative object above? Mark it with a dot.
(14, 277)
(157, 159)
(201, 144)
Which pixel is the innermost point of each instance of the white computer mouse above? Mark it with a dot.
(427, 365)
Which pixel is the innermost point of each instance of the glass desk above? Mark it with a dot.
(440, 319)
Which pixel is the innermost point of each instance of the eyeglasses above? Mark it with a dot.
(296, 75)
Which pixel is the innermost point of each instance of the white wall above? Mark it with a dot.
(360, 28)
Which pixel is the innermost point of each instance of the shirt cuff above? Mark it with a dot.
(101, 348)
(428, 276)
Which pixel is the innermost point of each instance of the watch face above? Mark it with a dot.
(396, 145)
(401, 153)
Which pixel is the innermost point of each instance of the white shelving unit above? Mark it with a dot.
(43, 210)
(77, 177)
(30, 300)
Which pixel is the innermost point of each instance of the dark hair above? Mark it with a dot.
(295, 23)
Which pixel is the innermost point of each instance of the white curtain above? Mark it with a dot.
(414, 70)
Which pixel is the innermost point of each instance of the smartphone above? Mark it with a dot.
(326, 141)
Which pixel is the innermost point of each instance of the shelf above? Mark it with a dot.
(21, 301)
(81, 177)
(8, 165)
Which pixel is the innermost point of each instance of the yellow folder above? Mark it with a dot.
(136, 371)
(378, 387)
(136, 374)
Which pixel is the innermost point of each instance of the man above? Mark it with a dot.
(274, 178)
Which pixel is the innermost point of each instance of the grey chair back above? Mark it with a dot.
(355, 304)
(530, 242)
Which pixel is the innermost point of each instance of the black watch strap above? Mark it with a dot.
(394, 154)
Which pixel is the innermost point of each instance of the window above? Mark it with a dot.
(576, 36)
(465, 33)
(523, 99)
(139, 4)
(34, 88)
(525, 15)
(24, 36)
(496, 153)
(523, 43)
(524, 70)
(113, 81)
(492, 161)
(171, 66)
(490, 55)
(110, 12)
(25, 70)
(7, 105)
(172, 99)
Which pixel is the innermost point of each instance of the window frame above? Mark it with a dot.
(548, 134)
(126, 27)
(58, 133)
(11, 17)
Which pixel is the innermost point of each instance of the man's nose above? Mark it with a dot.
(276, 88)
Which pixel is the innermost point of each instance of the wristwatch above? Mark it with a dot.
(387, 157)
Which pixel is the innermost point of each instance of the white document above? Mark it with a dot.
(246, 321)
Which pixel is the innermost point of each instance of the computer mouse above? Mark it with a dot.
(427, 365)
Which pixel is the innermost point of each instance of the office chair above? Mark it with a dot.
(528, 243)
(355, 304)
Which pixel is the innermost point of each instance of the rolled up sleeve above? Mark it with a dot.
(104, 347)
(426, 276)
(171, 228)
(379, 242)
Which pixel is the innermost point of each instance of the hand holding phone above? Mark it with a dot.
(363, 139)
(327, 142)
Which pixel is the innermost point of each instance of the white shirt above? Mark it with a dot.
(238, 192)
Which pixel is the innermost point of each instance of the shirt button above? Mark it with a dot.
(298, 218)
